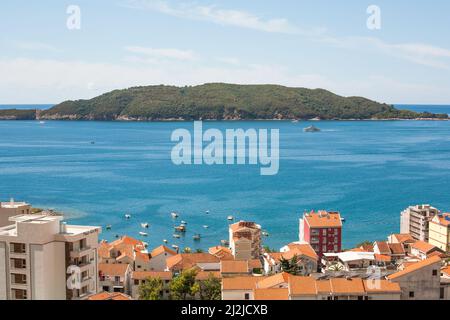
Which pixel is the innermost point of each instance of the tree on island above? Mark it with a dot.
(151, 289)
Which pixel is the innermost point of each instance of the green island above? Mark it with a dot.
(219, 101)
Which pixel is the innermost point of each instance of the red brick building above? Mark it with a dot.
(322, 230)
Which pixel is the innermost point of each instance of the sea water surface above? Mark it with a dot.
(368, 170)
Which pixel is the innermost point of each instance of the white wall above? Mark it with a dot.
(3, 288)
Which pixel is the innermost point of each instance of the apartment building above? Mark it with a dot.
(439, 234)
(115, 277)
(323, 230)
(42, 258)
(307, 259)
(11, 209)
(245, 240)
(415, 221)
(141, 277)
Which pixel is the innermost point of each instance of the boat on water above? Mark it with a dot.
(230, 218)
(196, 237)
(144, 225)
(295, 121)
(176, 236)
(311, 129)
(108, 227)
(343, 219)
(180, 228)
(265, 233)
(128, 216)
(165, 241)
(207, 211)
(144, 234)
(174, 215)
(41, 122)
(205, 226)
(183, 222)
(175, 246)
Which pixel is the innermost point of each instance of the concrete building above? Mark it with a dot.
(420, 280)
(140, 277)
(42, 258)
(245, 240)
(307, 259)
(323, 230)
(11, 209)
(415, 221)
(439, 234)
(115, 277)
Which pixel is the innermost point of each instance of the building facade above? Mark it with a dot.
(245, 240)
(11, 209)
(415, 221)
(42, 258)
(322, 230)
(439, 234)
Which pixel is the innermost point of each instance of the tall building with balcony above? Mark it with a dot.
(11, 209)
(439, 234)
(42, 258)
(415, 221)
(245, 240)
(322, 230)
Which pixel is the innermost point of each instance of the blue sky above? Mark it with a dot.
(312, 44)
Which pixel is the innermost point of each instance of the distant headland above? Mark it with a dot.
(219, 101)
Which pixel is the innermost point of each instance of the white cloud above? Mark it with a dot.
(157, 54)
(226, 17)
(53, 81)
(36, 46)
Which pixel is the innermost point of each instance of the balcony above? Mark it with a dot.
(79, 252)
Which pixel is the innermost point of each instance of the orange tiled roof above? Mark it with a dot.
(423, 246)
(323, 219)
(347, 286)
(271, 294)
(143, 275)
(302, 286)
(234, 266)
(396, 248)
(414, 267)
(222, 253)
(404, 238)
(109, 296)
(204, 275)
(446, 270)
(116, 269)
(188, 260)
(300, 249)
(443, 221)
(104, 250)
(382, 257)
(240, 283)
(383, 247)
(142, 256)
(127, 241)
(254, 264)
(276, 280)
(243, 225)
(381, 286)
(162, 249)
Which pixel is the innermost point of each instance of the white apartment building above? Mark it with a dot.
(42, 258)
(245, 240)
(11, 209)
(415, 221)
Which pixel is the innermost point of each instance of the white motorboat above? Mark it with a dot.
(144, 234)
(144, 225)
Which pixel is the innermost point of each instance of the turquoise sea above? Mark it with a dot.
(368, 170)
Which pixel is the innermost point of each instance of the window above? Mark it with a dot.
(435, 272)
(411, 294)
(247, 296)
(136, 282)
(17, 248)
(19, 294)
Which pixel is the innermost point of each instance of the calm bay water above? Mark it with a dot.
(367, 170)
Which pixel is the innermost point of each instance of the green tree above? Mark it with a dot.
(151, 289)
(211, 288)
(183, 285)
(291, 266)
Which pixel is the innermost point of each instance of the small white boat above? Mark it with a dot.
(205, 226)
(174, 215)
(311, 129)
(343, 219)
(144, 234)
(175, 246)
(230, 218)
(265, 234)
(128, 216)
(207, 211)
(183, 222)
(295, 121)
(144, 225)
(165, 241)
(196, 237)
(41, 122)
(176, 236)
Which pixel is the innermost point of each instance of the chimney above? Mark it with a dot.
(63, 227)
(11, 202)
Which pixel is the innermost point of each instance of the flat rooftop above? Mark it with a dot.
(12, 205)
